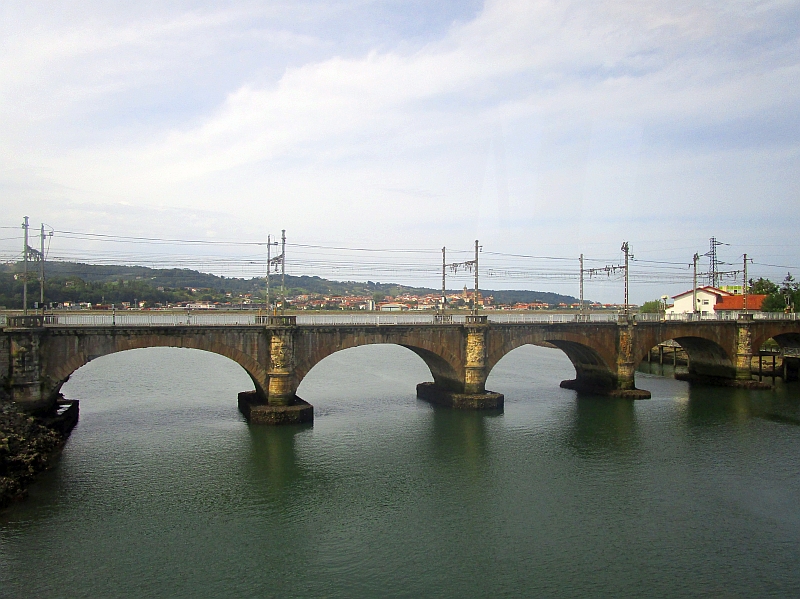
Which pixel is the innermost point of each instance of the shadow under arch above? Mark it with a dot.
(593, 371)
(590, 368)
(707, 359)
(789, 352)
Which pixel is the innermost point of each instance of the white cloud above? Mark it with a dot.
(606, 110)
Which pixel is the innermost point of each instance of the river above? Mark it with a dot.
(163, 490)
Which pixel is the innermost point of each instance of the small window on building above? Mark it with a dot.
(705, 302)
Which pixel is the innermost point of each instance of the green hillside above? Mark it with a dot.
(76, 282)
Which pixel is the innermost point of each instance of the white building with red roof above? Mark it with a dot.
(711, 300)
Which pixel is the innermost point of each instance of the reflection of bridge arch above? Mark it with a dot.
(66, 354)
(441, 356)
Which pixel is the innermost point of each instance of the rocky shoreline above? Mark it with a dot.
(29, 445)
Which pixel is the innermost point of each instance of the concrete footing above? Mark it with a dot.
(488, 400)
(64, 416)
(257, 412)
(581, 387)
(722, 382)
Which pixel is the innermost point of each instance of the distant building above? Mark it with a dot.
(711, 300)
(392, 307)
(732, 289)
(201, 306)
(736, 302)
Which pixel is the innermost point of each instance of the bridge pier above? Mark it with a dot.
(474, 395)
(625, 383)
(282, 405)
(614, 376)
(791, 369)
(20, 357)
(744, 348)
(725, 362)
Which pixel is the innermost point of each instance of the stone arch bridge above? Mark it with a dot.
(36, 358)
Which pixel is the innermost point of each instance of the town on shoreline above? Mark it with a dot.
(376, 302)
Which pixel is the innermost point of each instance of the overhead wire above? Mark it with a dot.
(335, 261)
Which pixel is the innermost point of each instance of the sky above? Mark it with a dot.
(543, 129)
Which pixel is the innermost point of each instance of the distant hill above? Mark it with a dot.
(102, 278)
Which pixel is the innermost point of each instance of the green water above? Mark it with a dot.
(164, 491)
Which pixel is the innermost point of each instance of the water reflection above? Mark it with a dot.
(603, 423)
(714, 406)
(273, 454)
(667, 370)
(460, 436)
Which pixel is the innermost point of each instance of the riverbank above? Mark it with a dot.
(30, 445)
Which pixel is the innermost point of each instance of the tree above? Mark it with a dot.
(652, 307)
(785, 298)
(762, 287)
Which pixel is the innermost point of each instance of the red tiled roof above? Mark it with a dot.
(709, 289)
(736, 302)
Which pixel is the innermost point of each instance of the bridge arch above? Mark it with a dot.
(440, 355)
(375, 367)
(709, 354)
(592, 357)
(788, 340)
(66, 354)
(783, 337)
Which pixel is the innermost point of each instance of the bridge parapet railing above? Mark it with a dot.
(375, 319)
(727, 315)
(776, 316)
(243, 318)
(551, 318)
(149, 319)
(28, 320)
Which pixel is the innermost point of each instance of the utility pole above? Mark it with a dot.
(695, 258)
(269, 262)
(475, 295)
(25, 269)
(581, 283)
(41, 269)
(713, 263)
(744, 280)
(444, 290)
(626, 249)
(454, 267)
(273, 262)
(283, 271)
(712, 259)
(608, 270)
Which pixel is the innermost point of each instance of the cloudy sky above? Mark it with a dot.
(541, 128)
